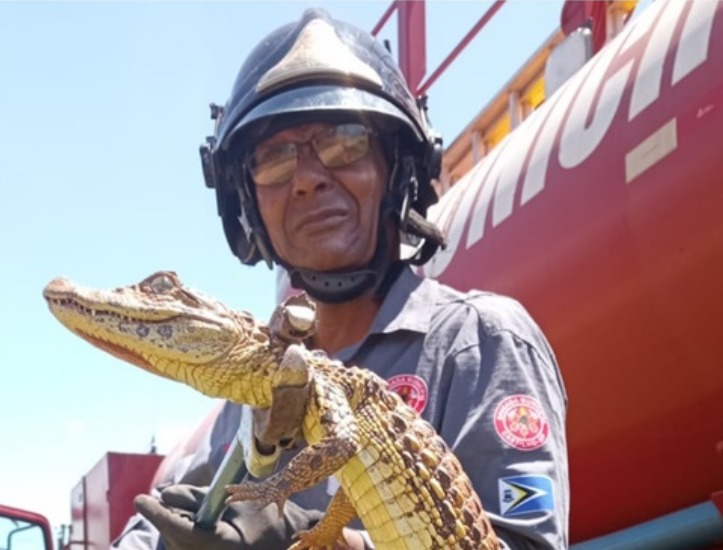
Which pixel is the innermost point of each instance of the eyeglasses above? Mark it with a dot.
(338, 146)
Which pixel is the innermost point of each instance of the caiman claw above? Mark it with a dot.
(262, 492)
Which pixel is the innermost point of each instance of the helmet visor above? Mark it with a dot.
(312, 104)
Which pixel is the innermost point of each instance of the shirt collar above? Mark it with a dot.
(407, 305)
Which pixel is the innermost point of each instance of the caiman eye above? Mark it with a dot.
(162, 283)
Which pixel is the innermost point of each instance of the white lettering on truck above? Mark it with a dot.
(498, 174)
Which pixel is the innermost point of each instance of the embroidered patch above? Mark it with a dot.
(412, 389)
(525, 495)
(521, 422)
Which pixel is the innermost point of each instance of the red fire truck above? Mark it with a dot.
(591, 189)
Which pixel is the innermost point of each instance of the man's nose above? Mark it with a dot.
(310, 175)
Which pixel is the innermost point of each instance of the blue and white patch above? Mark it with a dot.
(527, 494)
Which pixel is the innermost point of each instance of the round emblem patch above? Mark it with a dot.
(521, 422)
(411, 388)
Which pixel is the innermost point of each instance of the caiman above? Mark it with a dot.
(395, 472)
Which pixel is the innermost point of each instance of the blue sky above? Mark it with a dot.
(102, 109)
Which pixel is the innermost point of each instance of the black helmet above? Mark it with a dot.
(320, 69)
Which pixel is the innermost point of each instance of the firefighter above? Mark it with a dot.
(322, 163)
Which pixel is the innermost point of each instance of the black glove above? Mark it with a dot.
(242, 525)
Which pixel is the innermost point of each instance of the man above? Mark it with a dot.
(322, 163)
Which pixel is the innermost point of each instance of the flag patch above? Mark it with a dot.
(526, 494)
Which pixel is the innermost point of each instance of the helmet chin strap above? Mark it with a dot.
(335, 288)
(377, 275)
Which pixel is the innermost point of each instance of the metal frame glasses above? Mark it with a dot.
(338, 146)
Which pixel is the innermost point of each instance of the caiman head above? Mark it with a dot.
(174, 332)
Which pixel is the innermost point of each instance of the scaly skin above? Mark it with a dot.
(396, 473)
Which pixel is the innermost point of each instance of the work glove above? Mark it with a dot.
(242, 525)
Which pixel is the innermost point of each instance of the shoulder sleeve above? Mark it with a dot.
(503, 415)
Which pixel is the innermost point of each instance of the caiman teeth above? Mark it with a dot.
(68, 302)
(92, 312)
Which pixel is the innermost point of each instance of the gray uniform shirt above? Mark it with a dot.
(479, 369)
(482, 373)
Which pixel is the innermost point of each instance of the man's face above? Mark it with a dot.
(318, 217)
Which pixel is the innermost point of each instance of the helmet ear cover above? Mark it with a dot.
(245, 232)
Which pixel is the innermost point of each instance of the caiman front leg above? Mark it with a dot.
(311, 466)
(331, 422)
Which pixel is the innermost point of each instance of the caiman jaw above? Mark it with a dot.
(157, 324)
(71, 313)
(172, 331)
